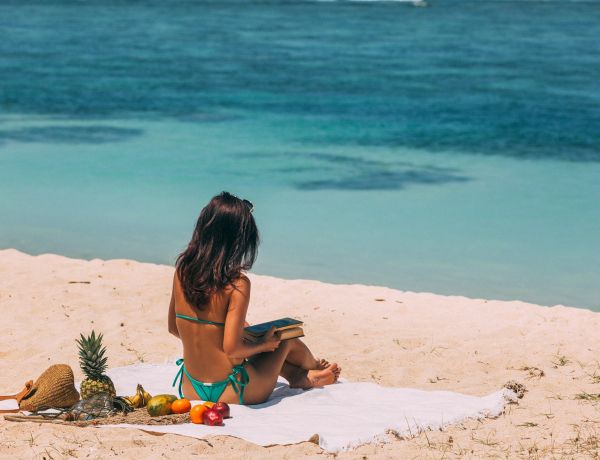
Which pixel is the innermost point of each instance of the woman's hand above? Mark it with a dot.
(271, 340)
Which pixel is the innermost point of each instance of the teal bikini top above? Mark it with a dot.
(200, 320)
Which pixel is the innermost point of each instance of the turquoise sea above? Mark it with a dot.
(451, 146)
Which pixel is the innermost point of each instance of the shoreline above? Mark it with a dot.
(416, 340)
(301, 279)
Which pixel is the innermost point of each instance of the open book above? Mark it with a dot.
(289, 328)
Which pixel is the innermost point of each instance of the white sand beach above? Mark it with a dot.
(389, 337)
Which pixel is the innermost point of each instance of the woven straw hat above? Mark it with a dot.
(55, 388)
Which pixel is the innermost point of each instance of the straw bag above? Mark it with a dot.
(55, 388)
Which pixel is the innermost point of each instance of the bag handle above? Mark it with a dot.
(19, 397)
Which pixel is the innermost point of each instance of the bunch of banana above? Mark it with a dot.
(140, 399)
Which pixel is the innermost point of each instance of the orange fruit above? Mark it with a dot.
(196, 413)
(181, 406)
(209, 404)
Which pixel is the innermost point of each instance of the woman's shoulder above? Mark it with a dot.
(242, 278)
(239, 286)
(241, 283)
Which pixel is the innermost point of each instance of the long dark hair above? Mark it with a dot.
(224, 244)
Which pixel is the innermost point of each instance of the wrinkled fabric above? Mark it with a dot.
(343, 416)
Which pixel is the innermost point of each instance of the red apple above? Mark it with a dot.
(223, 408)
(212, 417)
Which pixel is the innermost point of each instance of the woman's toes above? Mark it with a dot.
(337, 373)
(321, 364)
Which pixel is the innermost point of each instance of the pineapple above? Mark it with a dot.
(93, 364)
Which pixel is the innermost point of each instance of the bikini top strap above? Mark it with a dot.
(200, 320)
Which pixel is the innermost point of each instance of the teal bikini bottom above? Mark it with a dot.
(213, 391)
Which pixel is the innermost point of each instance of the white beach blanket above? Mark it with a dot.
(344, 415)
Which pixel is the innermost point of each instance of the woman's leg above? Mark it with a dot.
(299, 355)
(264, 368)
(298, 361)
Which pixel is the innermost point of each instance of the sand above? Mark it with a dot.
(381, 335)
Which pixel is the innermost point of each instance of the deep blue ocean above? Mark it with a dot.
(451, 146)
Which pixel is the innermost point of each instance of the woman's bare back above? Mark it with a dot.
(203, 354)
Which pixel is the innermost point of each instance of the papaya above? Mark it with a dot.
(160, 405)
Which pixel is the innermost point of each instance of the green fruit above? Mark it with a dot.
(160, 405)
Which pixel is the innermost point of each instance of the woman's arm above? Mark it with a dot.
(234, 346)
(172, 318)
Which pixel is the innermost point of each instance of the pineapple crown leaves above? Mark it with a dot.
(91, 355)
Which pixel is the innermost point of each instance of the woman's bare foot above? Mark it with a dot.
(317, 378)
(324, 364)
(337, 373)
(321, 364)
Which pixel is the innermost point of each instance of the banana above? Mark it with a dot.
(145, 395)
(140, 399)
(136, 401)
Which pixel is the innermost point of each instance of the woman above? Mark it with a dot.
(208, 313)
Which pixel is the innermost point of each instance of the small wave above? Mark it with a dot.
(414, 2)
